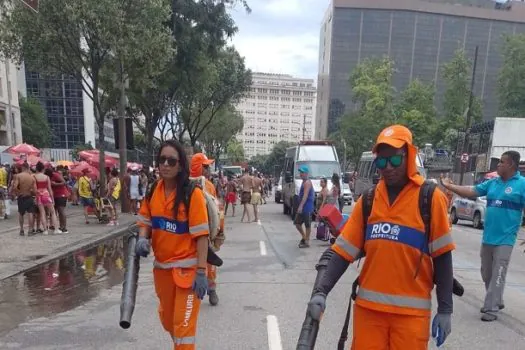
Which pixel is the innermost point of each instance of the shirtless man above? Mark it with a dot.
(256, 195)
(24, 187)
(246, 194)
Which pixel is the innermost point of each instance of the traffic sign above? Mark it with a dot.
(32, 4)
(464, 158)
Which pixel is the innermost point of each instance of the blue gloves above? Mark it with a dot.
(316, 306)
(441, 328)
(200, 284)
(143, 247)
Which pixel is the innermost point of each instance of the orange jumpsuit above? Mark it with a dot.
(175, 265)
(393, 307)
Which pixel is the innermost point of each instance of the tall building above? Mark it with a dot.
(278, 108)
(419, 36)
(69, 109)
(10, 122)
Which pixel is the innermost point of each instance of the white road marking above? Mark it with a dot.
(262, 246)
(274, 336)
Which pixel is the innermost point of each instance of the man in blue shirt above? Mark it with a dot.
(305, 208)
(505, 203)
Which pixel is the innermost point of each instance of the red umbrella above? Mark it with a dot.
(92, 157)
(24, 148)
(78, 170)
(131, 165)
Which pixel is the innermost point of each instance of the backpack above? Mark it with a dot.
(211, 204)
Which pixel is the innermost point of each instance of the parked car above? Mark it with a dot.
(470, 210)
(279, 190)
(347, 194)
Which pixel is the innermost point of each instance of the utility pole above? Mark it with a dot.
(469, 117)
(344, 156)
(304, 126)
(122, 142)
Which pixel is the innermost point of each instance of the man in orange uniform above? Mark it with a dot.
(179, 238)
(200, 166)
(393, 305)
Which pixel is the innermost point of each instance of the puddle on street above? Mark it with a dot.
(61, 284)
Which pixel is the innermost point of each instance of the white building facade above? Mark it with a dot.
(10, 122)
(278, 108)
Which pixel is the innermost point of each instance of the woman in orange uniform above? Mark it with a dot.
(178, 233)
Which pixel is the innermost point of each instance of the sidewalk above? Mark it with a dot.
(19, 253)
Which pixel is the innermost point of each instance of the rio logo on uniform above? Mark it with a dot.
(171, 226)
(385, 231)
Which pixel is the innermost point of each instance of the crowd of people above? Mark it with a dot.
(42, 193)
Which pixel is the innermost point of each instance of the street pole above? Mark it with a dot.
(469, 116)
(122, 144)
(344, 157)
(304, 126)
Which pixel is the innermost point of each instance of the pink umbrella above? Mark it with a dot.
(31, 160)
(24, 148)
(131, 165)
(78, 170)
(92, 157)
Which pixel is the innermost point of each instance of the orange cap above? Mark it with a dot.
(197, 161)
(396, 136)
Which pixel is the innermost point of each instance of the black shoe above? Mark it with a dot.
(38, 231)
(213, 297)
(22, 233)
(33, 232)
(483, 310)
(489, 317)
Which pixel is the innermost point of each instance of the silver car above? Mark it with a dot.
(470, 210)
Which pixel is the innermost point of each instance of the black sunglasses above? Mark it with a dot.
(171, 161)
(395, 161)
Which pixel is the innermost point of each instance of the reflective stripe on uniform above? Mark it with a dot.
(144, 220)
(395, 300)
(184, 340)
(439, 243)
(348, 247)
(199, 228)
(179, 263)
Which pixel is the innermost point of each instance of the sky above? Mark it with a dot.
(280, 36)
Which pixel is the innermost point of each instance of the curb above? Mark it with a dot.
(74, 215)
(64, 251)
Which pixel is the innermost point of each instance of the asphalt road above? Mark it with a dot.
(264, 287)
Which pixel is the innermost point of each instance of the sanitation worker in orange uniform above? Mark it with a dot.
(200, 166)
(178, 233)
(393, 304)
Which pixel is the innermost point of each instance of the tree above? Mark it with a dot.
(210, 86)
(79, 148)
(415, 109)
(226, 124)
(260, 162)
(276, 156)
(373, 93)
(90, 40)
(35, 127)
(235, 151)
(511, 81)
(457, 75)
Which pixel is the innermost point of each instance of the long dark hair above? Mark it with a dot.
(182, 178)
(336, 182)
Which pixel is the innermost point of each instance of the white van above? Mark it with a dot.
(320, 157)
(368, 175)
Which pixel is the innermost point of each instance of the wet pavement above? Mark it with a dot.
(61, 284)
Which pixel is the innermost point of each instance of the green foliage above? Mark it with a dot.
(213, 84)
(226, 124)
(457, 75)
(98, 42)
(371, 83)
(235, 151)
(511, 91)
(79, 148)
(35, 127)
(415, 109)
(271, 163)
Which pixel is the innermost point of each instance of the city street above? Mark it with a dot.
(263, 287)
